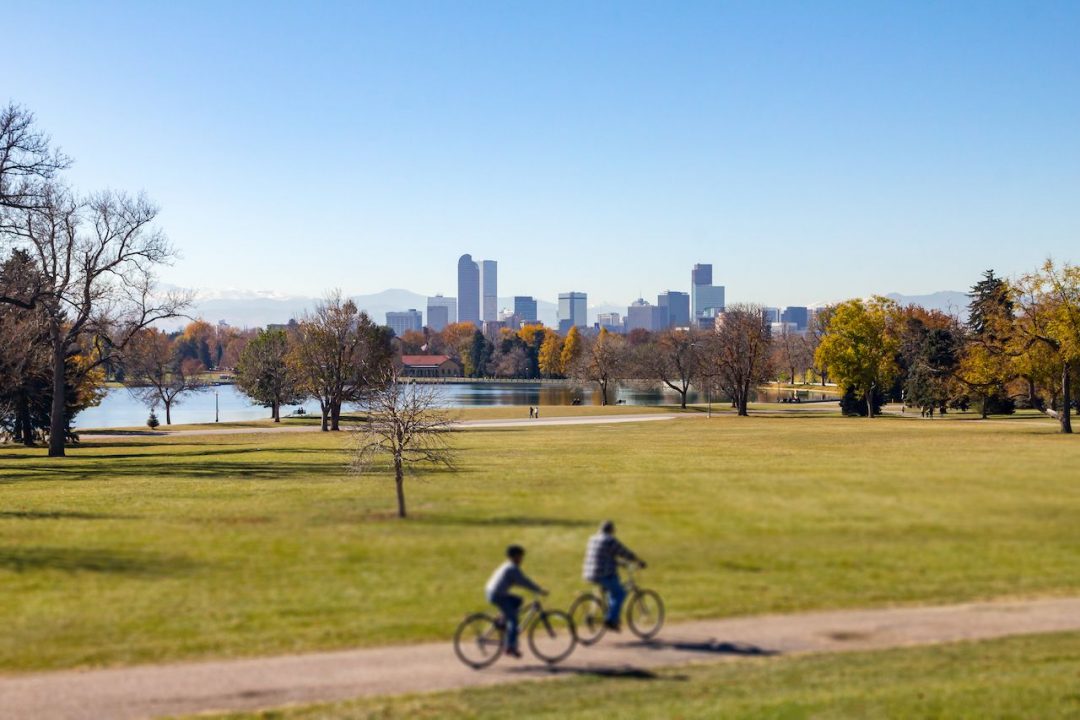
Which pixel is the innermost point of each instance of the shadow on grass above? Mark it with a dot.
(24, 559)
(512, 521)
(224, 471)
(711, 647)
(57, 515)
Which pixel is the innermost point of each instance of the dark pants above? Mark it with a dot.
(509, 605)
(615, 596)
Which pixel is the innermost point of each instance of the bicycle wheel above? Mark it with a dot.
(478, 641)
(552, 637)
(588, 612)
(645, 614)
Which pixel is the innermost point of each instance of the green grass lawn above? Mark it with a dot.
(1025, 677)
(146, 549)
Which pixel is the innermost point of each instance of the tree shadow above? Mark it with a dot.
(58, 515)
(223, 471)
(512, 521)
(711, 647)
(24, 559)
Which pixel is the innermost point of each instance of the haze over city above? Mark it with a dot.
(809, 153)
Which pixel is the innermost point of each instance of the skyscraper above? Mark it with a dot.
(441, 311)
(400, 322)
(468, 284)
(678, 307)
(797, 315)
(573, 309)
(525, 309)
(489, 291)
(704, 296)
(643, 316)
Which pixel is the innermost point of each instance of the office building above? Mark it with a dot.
(643, 316)
(677, 305)
(610, 322)
(468, 285)
(573, 308)
(489, 291)
(525, 309)
(704, 296)
(772, 314)
(797, 316)
(400, 322)
(441, 311)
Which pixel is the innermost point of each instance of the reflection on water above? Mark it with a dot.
(120, 409)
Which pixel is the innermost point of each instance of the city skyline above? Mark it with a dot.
(824, 154)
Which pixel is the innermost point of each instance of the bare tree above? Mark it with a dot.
(602, 360)
(27, 160)
(738, 356)
(338, 355)
(673, 358)
(96, 260)
(156, 375)
(791, 352)
(405, 424)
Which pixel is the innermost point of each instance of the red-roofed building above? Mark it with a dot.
(436, 366)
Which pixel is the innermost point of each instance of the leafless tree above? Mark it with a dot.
(156, 375)
(791, 352)
(96, 260)
(603, 360)
(27, 160)
(338, 355)
(673, 358)
(405, 424)
(738, 356)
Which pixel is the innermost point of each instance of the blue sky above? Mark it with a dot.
(809, 151)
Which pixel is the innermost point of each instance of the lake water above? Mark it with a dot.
(120, 409)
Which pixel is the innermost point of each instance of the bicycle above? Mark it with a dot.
(644, 611)
(480, 639)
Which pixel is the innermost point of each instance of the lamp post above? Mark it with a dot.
(217, 414)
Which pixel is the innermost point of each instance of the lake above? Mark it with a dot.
(120, 409)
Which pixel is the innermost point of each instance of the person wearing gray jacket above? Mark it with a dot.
(506, 577)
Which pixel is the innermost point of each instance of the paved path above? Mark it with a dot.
(464, 425)
(153, 691)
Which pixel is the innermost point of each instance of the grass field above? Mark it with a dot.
(1024, 677)
(145, 549)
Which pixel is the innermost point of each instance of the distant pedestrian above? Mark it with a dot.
(532, 412)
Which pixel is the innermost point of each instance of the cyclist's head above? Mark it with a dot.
(607, 527)
(515, 553)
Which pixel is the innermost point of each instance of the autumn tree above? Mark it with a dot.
(264, 374)
(157, 374)
(791, 352)
(603, 360)
(859, 347)
(988, 360)
(338, 355)
(405, 424)
(571, 350)
(550, 355)
(738, 355)
(1048, 317)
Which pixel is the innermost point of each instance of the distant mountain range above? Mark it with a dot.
(246, 308)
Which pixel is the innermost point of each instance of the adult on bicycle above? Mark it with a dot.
(507, 576)
(601, 567)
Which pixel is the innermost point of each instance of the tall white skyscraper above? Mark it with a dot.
(489, 291)
(704, 296)
(573, 308)
(468, 290)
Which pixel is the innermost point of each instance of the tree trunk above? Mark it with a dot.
(275, 409)
(985, 398)
(870, 402)
(682, 398)
(603, 392)
(25, 423)
(324, 411)
(335, 416)
(168, 411)
(399, 479)
(1065, 415)
(56, 412)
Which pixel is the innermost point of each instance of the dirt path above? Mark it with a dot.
(153, 691)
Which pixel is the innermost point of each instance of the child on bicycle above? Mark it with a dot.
(601, 567)
(507, 576)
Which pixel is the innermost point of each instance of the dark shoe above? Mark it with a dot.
(500, 623)
(612, 626)
(514, 653)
